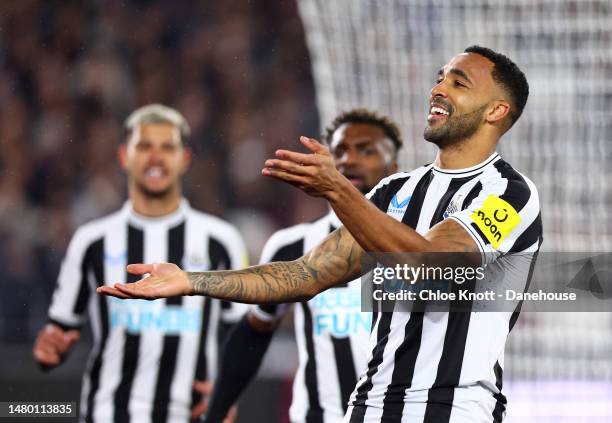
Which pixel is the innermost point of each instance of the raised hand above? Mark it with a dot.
(164, 280)
(315, 173)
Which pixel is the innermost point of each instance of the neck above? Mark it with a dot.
(467, 153)
(148, 206)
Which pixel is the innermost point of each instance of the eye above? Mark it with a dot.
(368, 151)
(338, 152)
(459, 84)
(143, 146)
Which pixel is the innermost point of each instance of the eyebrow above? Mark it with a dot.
(361, 143)
(457, 72)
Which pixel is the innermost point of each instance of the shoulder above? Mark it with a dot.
(398, 179)
(287, 236)
(511, 184)
(216, 227)
(287, 243)
(95, 230)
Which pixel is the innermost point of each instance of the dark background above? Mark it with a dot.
(70, 72)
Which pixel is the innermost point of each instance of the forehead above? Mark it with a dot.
(161, 132)
(349, 133)
(478, 68)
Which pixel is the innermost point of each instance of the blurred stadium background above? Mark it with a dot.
(251, 76)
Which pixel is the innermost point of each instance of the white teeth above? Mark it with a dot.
(439, 110)
(154, 172)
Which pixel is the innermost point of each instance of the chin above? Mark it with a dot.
(436, 136)
(157, 192)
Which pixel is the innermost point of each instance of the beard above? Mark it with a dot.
(154, 194)
(455, 129)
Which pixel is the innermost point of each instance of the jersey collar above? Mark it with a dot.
(468, 171)
(168, 220)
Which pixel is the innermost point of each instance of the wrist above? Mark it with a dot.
(191, 283)
(341, 194)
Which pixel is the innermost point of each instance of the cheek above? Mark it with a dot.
(133, 163)
(376, 169)
(177, 164)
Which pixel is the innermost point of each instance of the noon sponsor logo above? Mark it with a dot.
(496, 219)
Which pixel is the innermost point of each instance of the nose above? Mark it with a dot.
(348, 158)
(155, 156)
(438, 90)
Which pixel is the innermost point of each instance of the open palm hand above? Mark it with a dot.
(164, 280)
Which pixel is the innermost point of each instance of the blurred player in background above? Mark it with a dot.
(331, 331)
(148, 359)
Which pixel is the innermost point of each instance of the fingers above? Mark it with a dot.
(205, 388)
(124, 294)
(55, 337)
(46, 356)
(297, 180)
(133, 290)
(314, 145)
(305, 159)
(45, 350)
(52, 344)
(112, 292)
(139, 268)
(199, 409)
(164, 280)
(288, 166)
(202, 386)
(231, 415)
(298, 158)
(72, 336)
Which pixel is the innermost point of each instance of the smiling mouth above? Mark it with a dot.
(154, 173)
(437, 112)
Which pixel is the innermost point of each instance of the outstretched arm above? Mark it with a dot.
(335, 261)
(373, 229)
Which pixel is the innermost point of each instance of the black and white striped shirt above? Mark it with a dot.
(331, 331)
(146, 355)
(436, 366)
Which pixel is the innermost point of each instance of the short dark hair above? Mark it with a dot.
(507, 74)
(363, 115)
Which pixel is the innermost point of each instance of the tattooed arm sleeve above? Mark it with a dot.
(335, 261)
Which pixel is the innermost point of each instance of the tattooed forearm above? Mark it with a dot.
(269, 283)
(336, 260)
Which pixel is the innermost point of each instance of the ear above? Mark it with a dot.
(500, 110)
(122, 155)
